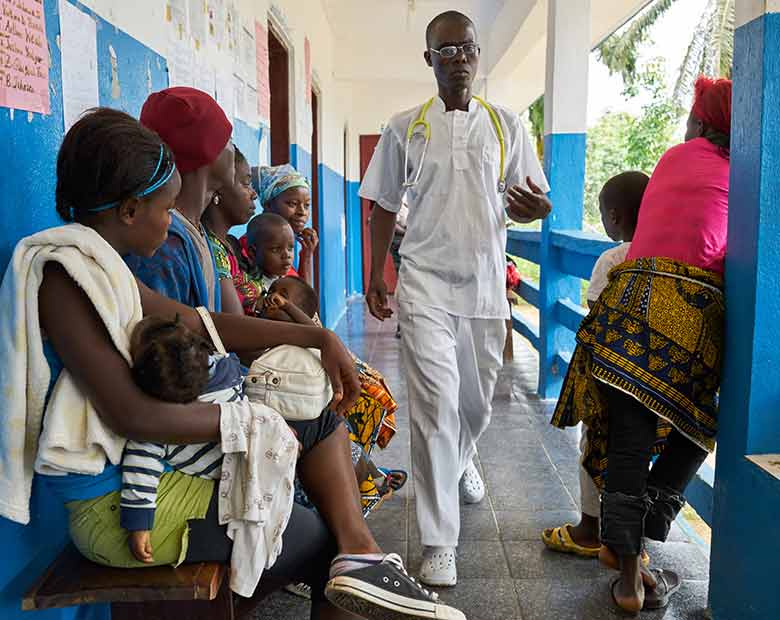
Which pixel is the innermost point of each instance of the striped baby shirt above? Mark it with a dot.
(144, 462)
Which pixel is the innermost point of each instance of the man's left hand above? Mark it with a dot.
(525, 206)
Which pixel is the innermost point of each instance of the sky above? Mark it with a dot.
(669, 39)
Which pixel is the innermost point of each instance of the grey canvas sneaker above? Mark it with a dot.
(385, 591)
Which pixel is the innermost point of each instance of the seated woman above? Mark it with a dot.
(233, 205)
(646, 370)
(119, 182)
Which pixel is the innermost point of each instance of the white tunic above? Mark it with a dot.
(454, 248)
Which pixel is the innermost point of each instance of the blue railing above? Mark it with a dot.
(571, 257)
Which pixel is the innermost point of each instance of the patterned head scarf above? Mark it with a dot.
(712, 103)
(270, 181)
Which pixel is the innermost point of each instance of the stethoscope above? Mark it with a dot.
(426, 133)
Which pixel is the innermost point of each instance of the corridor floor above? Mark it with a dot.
(530, 468)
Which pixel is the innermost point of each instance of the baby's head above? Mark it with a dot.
(295, 291)
(170, 362)
(270, 244)
(619, 203)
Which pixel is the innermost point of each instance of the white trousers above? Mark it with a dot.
(452, 365)
(590, 498)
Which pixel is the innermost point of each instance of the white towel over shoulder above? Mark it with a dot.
(73, 438)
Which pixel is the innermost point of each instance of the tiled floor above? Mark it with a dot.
(505, 573)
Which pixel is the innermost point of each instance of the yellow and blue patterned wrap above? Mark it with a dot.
(656, 333)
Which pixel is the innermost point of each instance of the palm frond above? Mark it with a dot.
(711, 49)
(619, 52)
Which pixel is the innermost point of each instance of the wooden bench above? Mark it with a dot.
(193, 591)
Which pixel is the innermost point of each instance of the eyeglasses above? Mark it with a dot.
(450, 51)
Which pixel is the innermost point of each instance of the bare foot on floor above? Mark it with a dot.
(585, 536)
(628, 596)
(610, 560)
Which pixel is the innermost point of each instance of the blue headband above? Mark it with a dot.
(154, 186)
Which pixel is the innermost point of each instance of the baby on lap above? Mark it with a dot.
(173, 364)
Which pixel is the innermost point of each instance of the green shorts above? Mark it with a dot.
(95, 529)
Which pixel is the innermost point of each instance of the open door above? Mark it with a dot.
(279, 83)
(315, 183)
(367, 145)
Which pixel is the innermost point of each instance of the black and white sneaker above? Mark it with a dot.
(385, 591)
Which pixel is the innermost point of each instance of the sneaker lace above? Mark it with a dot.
(395, 560)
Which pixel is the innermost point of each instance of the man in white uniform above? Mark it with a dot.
(451, 291)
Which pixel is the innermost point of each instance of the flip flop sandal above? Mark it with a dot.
(370, 497)
(668, 582)
(399, 475)
(617, 609)
(559, 539)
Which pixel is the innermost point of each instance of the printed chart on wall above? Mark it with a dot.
(24, 56)
(263, 75)
(78, 32)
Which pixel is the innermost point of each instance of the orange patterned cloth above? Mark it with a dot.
(371, 419)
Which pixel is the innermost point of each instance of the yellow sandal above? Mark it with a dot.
(559, 539)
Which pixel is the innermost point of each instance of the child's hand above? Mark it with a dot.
(275, 301)
(140, 543)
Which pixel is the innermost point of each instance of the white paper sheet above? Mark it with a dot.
(199, 22)
(248, 57)
(78, 33)
(177, 13)
(181, 62)
(226, 93)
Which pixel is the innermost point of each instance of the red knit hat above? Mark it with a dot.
(712, 103)
(190, 122)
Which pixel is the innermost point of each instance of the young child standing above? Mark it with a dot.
(619, 203)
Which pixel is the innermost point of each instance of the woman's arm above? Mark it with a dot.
(231, 304)
(80, 338)
(243, 334)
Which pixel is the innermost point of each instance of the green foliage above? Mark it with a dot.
(620, 51)
(607, 153)
(536, 117)
(619, 142)
(652, 133)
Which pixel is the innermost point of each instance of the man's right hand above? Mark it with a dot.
(376, 298)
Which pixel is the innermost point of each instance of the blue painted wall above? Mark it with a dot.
(340, 253)
(743, 569)
(354, 240)
(247, 139)
(564, 165)
(28, 148)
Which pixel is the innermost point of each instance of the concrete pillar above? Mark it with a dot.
(565, 116)
(746, 536)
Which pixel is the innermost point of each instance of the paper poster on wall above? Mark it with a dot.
(250, 103)
(226, 93)
(205, 79)
(176, 13)
(198, 15)
(78, 34)
(263, 76)
(248, 56)
(307, 68)
(181, 63)
(24, 56)
(232, 27)
(217, 12)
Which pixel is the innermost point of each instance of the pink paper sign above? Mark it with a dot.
(263, 77)
(24, 56)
